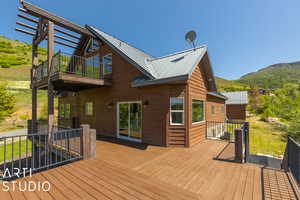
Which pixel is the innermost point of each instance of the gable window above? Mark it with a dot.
(176, 111)
(197, 110)
(93, 67)
(89, 108)
(91, 46)
(67, 110)
(62, 110)
(107, 64)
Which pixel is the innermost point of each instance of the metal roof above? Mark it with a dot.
(218, 94)
(158, 70)
(240, 97)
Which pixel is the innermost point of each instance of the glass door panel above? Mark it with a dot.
(130, 120)
(135, 120)
(123, 119)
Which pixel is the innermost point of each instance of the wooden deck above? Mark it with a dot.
(149, 172)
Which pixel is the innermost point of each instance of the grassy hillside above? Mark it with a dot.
(273, 76)
(230, 85)
(15, 64)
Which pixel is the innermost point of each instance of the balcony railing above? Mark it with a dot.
(71, 64)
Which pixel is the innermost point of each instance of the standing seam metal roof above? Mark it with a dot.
(240, 97)
(174, 65)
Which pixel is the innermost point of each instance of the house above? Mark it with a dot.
(236, 105)
(120, 90)
(161, 101)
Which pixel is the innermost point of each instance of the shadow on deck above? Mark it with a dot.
(149, 172)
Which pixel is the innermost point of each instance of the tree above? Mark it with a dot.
(7, 102)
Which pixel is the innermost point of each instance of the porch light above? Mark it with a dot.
(110, 105)
(146, 103)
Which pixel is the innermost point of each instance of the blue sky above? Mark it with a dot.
(242, 36)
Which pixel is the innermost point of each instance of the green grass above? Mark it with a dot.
(17, 150)
(266, 139)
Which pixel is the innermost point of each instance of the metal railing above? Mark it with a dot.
(73, 64)
(34, 152)
(291, 160)
(222, 130)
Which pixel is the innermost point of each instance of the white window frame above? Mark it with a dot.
(204, 116)
(183, 111)
(110, 54)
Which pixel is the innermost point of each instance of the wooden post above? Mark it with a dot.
(238, 136)
(92, 145)
(88, 149)
(85, 140)
(50, 85)
(34, 88)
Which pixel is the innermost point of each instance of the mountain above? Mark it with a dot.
(224, 85)
(273, 76)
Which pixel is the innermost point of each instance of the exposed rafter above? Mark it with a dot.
(41, 13)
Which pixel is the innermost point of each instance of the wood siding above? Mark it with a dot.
(219, 107)
(155, 116)
(197, 89)
(236, 112)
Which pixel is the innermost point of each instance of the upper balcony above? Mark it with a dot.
(71, 73)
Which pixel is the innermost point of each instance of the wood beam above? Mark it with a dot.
(41, 32)
(55, 41)
(27, 26)
(66, 39)
(34, 88)
(38, 12)
(28, 18)
(26, 32)
(66, 33)
(50, 34)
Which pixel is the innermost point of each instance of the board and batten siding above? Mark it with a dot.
(197, 89)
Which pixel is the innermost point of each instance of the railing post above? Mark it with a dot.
(238, 136)
(88, 149)
(246, 139)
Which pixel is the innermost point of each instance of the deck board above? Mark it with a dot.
(125, 172)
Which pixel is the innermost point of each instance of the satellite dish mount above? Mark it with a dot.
(190, 37)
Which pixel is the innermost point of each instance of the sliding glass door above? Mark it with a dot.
(130, 120)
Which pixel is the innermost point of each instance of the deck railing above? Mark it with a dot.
(291, 160)
(24, 154)
(72, 64)
(222, 129)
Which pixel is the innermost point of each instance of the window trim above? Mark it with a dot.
(91, 41)
(109, 54)
(183, 112)
(85, 109)
(204, 110)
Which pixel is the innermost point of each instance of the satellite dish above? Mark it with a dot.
(190, 37)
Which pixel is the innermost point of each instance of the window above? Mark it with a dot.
(62, 110)
(223, 109)
(92, 46)
(107, 64)
(213, 109)
(176, 111)
(93, 67)
(89, 108)
(198, 110)
(67, 111)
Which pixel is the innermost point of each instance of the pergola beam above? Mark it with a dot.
(41, 13)
(55, 41)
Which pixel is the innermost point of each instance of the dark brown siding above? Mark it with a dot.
(197, 90)
(217, 103)
(236, 112)
(155, 117)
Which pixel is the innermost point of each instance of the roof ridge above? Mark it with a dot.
(179, 52)
(123, 41)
